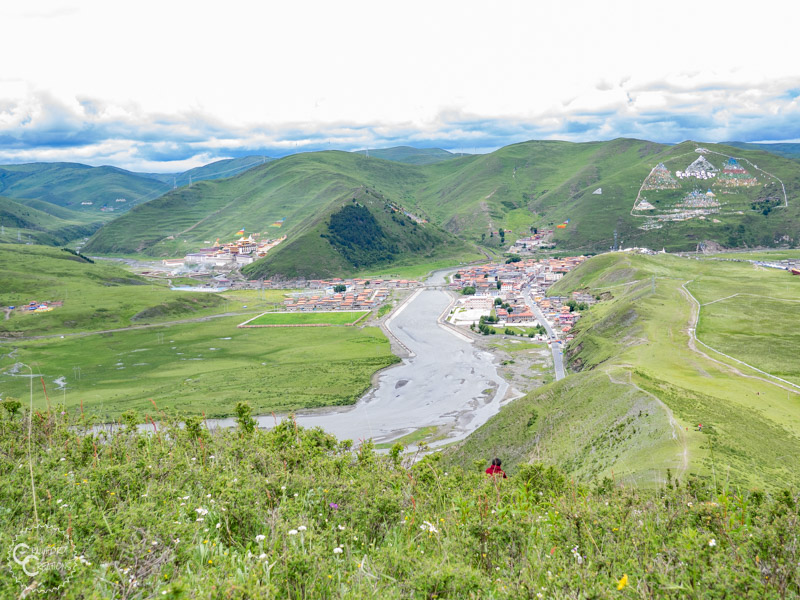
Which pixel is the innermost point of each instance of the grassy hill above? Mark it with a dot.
(24, 223)
(96, 295)
(532, 184)
(410, 155)
(641, 383)
(358, 233)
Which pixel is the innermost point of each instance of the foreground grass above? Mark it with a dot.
(292, 513)
(203, 367)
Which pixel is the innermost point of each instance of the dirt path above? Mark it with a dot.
(693, 341)
(132, 327)
(678, 433)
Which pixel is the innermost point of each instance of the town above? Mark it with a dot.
(513, 293)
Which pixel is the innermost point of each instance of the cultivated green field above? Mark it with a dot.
(313, 318)
(203, 367)
(643, 386)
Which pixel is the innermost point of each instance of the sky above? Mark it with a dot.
(170, 85)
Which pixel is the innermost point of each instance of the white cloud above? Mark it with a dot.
(251, 75)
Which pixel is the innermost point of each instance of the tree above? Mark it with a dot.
(457, 276)
(498, 301)
(468, 290)
(339, 287)
(499, 284)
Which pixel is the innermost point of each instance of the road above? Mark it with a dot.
(555, 345)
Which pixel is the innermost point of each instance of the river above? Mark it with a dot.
(447, 382)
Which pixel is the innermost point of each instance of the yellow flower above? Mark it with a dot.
(210, 562)
(622, 582)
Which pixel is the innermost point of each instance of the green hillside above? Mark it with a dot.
(98, 295)
(360, 232)
(410, 155)
(596, 189)
(71, 184)
(21, 223)
(641, 384)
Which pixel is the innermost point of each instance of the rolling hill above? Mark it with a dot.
(597, 190)
(73, 184)
(25, 223)
(410, 155)
(361, 231)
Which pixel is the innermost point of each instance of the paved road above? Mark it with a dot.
(555, 346)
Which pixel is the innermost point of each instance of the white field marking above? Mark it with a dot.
(693, 335)
(754, 296)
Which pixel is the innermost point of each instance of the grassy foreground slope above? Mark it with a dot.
(643, 384)
(293, 513)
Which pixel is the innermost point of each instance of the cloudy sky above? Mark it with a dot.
(168, 85)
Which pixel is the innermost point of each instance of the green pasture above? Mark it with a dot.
(203, 367)
(308, 318)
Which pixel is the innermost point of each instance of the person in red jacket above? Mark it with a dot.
(495, 469)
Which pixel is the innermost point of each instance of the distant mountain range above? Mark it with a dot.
(106, 190)
(592, 195)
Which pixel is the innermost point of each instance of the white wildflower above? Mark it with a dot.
(293, 532)
(302, 528)
(712, 542)
(260, 538)
(337, 550)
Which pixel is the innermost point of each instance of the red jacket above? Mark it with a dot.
(496, 470)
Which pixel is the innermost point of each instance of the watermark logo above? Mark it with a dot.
(42, 559)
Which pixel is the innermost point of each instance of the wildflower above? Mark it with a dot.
(260, 538)
(201, 511)
(301, 528)
(341, 528)
(262, 556)
(712, 542)
(623, 581)
(219, 525)
(293, 532)
(334, 506)
(337, 550)
(429, 527)
(283, 487)
(577, 555)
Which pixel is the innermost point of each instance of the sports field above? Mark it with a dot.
(312, 318)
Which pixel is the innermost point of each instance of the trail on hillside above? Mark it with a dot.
(678, 434)
(130, 328)
(692, 343)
